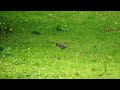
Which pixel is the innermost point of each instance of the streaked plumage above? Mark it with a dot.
(60, 45)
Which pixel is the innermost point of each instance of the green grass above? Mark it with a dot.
(92, 39)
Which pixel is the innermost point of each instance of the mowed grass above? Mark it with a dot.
(92, 39)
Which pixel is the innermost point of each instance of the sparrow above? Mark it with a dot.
(60, 45)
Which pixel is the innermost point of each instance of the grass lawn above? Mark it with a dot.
(28, 47)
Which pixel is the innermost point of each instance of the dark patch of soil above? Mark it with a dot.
(1, 48)
(36, 33)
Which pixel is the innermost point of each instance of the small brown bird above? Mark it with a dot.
(60, 45)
